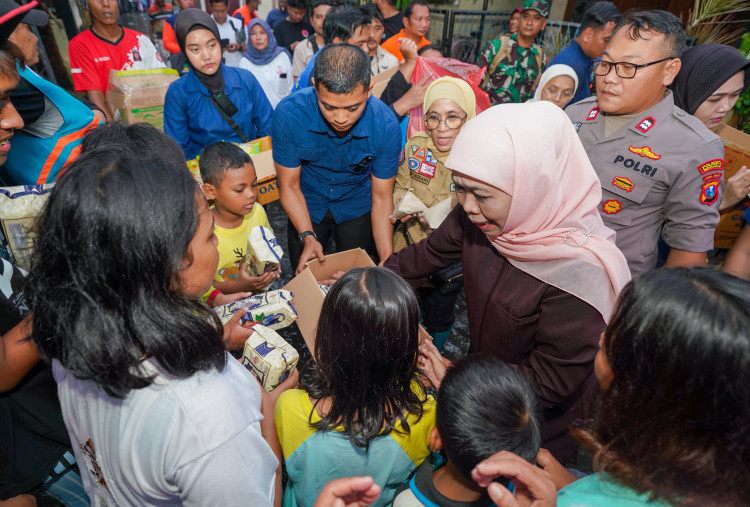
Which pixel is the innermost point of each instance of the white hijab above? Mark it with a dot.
(552, 72)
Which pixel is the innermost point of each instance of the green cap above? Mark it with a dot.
(541, 6)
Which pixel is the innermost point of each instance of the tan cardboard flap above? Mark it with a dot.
(308, 298)
(380, 81)
(264, 167)
(736, 154)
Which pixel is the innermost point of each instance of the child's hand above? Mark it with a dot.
(348, 492)
(255, 283)
(534, 488)
(560, 475)
(268, 402)
(432, 363)
(234, 334)
(225, 299)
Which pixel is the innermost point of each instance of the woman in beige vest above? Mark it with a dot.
(448, 103)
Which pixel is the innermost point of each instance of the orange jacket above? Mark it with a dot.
(244, 14)
(391, 45)
(169, 39)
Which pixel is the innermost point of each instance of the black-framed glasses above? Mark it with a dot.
(452, 122)
(625, 70)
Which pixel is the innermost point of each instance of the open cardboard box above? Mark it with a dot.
(736, 154)
(308, 298)
(262, 156)
(138, 95)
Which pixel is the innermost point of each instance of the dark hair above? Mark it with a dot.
(343, 22)
(366, 355)
(140, 137)
(372, 12)
(673, 422)
(226, 2)
(296, 4)
(655, 21)
(598, 15)
(105, 279)
(426, 48)
(322, 2)
(410, 8)
(341, 68)
(219, 157)
(483, 407)
(8, 62)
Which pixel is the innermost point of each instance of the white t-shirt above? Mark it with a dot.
(275, 77)
(192, 441)
(228, 30)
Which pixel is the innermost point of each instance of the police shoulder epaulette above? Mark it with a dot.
(694, 124)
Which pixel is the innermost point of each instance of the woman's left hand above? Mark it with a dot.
(234, 334)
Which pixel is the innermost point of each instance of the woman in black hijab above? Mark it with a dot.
(712, 78)
(211, 102)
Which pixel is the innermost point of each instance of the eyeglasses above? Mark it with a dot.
(625, 70)
(452, 122)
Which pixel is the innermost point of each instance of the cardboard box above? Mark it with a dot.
(138, 95)
(308, 298)
(736, 154)
(380, 81)
(261, 153)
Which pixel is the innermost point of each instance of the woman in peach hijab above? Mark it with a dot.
(541, 271)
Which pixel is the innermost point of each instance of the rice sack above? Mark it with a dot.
(272, 309)
(263, 251)
(269, 357)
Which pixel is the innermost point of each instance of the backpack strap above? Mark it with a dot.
(502, 53)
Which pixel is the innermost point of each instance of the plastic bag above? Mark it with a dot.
(440, 67)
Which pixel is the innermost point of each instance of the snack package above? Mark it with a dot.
(269, 357)
(272, 309)
(325, 287)
(408, 205)
(263, 251)
(435, 215)
(19, 209)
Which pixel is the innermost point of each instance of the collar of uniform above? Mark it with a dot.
(657, 114)
(231, 80)
(534, 48)
(319, 125)
(654, 116)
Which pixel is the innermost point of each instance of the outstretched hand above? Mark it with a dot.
(432, 363)
(534, 487)
(348, 492)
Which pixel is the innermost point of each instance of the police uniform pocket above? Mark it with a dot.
(622, 191)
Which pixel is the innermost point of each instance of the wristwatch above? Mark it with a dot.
(305, 234)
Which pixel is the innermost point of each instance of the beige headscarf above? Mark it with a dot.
(456, 90)
(553, 232)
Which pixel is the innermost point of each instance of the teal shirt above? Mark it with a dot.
(598, 490)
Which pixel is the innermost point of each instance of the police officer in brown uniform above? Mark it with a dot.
(658, 166)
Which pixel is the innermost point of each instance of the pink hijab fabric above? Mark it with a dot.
(553, 231)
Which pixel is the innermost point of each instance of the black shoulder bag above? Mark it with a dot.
(227, 109)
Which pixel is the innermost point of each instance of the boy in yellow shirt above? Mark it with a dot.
(230, 181)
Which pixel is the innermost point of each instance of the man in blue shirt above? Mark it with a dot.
(598, 23)
(336, 151)
(343, 24)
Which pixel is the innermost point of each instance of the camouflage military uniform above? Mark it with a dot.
(516, 76)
